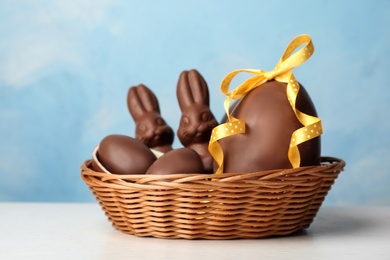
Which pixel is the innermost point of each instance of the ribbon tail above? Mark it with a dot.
(294, 156)
(215, 150)
(235, 126)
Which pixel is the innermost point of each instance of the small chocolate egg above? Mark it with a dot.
(95, 166)
(182, 160)
(121, 154)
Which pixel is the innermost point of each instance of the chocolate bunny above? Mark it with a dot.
(197, 121)
(196, 124)
(117, 152)
(270, 122)
(151, 128)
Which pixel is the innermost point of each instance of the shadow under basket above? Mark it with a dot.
(216, 206)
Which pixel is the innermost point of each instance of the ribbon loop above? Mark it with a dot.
(282, 73)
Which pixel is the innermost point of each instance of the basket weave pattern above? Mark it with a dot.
(217, 206)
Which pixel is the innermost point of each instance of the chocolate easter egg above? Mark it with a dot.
(270, 122)
(182, 160)
(121, 154)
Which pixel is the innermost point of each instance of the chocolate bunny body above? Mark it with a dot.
(196, 124)
(151, 128)
(197, 121)
(270, 122)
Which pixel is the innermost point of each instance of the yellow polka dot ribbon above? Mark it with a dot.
(291, 59)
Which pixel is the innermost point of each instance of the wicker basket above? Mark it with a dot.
(217, 206)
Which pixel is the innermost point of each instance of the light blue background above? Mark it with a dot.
(65, 67)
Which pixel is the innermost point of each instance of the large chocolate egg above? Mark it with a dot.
(121, 154)
(270, 122)
(182, 160)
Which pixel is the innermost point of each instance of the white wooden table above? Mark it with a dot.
(81, 231)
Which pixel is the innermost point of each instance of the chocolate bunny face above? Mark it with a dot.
(197, 121)
(196, 124)
(151, 128)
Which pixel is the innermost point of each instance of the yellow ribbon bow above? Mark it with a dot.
(312, 126)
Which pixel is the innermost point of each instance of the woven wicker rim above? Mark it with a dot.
(328, 164)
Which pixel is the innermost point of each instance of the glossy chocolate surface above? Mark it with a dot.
(270, 122)
(182, 160)
(121, 154)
